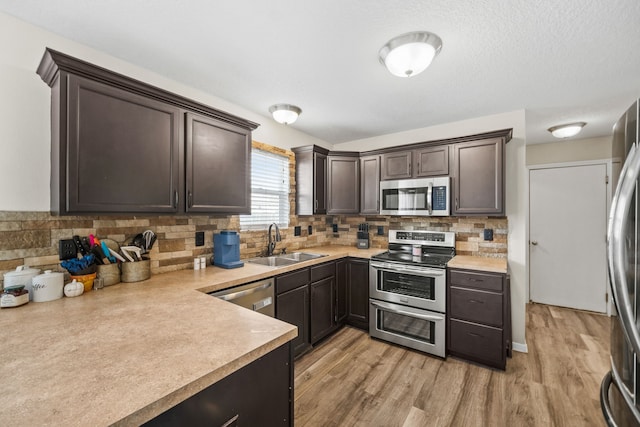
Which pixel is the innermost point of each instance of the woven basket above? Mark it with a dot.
(136, 271)
(110, 274)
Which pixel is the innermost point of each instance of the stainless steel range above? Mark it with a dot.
(407, 287)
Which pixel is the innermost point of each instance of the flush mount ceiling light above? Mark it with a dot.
(568, 130)
(410, 54)
(285, 113)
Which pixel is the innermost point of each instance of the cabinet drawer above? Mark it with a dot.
(477, 342)
(476, 306)
(292, 280)
(489, 282)
(323, 271)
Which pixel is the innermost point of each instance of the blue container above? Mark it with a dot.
(226, 249)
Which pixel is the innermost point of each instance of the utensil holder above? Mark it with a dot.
(136, 271)
(110, 274)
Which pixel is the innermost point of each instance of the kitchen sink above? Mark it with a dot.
(284, 259)
(272, 261)
(301, 256)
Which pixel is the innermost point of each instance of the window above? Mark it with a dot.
(269, 191)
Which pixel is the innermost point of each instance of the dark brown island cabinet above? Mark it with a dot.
(343, 183)
(479, 317)
(322, 293)
(122, 146)
(260, 394)
(311, 180)
(292, 306)
(358, 293)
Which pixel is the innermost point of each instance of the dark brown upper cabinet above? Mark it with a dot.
(215, 151)
(311, 180)
(122, 152)
(431, 161)
(369, 185)
(343, 183)
(478, 182)
(122, 146)
(396, 165)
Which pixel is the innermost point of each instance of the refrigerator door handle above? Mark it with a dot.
(604, 400)
(616, 251)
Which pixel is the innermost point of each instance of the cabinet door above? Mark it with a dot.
(342, 281)
(358, 293)
(293, 307)
(319, 183)
(218, 166)
(124, 151)
(396, 165)
(343, 181)
(432, 161)
(369, 185)
(479, 178)
(322, 308)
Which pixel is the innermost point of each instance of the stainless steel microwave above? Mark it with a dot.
(421, 197)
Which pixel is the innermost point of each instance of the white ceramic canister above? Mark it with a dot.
(22, 276)
(48, 286)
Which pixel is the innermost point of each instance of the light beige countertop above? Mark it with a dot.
(128, 352)
(495, 265)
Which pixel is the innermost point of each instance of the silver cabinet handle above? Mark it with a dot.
(190, 199)
(406, 313)
(175, 199)
(534, 242)
(315, 205)
(616, 249)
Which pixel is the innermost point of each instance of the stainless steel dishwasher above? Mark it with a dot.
(257, 296)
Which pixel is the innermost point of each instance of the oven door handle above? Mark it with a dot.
(406, 313)
(405, 269)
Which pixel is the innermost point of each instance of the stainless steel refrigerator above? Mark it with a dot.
(620, 389)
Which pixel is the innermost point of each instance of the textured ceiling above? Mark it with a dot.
(561, 61)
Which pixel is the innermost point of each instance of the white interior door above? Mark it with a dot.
(567, 236)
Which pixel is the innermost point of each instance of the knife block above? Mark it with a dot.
(363, 240)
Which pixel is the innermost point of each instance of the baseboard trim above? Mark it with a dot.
(522, 348)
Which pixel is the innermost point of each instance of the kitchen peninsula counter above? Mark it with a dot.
(492, 265)
(125, 354)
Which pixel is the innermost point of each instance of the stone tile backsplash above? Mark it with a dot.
(31, 238)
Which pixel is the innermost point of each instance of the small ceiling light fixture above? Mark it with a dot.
(568, 130)
(410, 54)
(285, 113)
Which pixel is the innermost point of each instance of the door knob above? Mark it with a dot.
(534, 243)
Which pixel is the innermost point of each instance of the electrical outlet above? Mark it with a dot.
(335, 228)
(199, 238)
(488, 234)
(297, 230)
(310, 230)
(381, 230)
(67, 249)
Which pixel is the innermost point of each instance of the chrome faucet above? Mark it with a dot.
(272, 243)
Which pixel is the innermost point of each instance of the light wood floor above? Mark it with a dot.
(353, 380)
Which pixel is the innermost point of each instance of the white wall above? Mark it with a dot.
(573, 150)
(25, 141)
(516, 192)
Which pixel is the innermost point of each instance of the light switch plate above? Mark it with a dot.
(310, 230)
(297, 230)
(67, 249)
(199, 238)
(488, 234)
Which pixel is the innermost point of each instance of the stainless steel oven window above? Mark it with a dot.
(408, 284)
(418, 329)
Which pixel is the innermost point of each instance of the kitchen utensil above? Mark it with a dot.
(21, 276)
(47, 286)
(106, 252)
(116, 255)
(86, 280)
(149, 239)
(139, 241)
(132, 252)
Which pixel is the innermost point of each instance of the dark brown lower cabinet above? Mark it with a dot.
(358, 293)
(479, 317)
(322, 301)
(292, 306)
(260, 394)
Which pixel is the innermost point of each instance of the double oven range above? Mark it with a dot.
(407, 285)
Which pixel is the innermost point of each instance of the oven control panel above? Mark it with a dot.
(444, 238)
